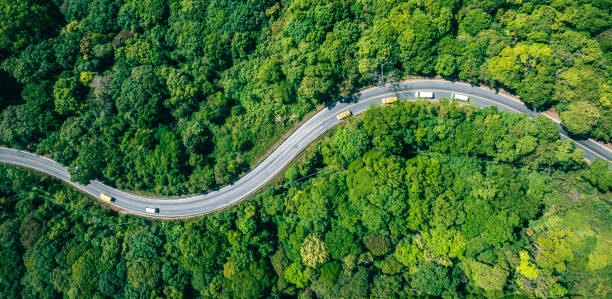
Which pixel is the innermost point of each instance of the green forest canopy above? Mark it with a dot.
(412, 199)
(415, 199)
(180, 97)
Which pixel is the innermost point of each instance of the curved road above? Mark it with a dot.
(286, 151)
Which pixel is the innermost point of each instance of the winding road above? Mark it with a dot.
(273, 164)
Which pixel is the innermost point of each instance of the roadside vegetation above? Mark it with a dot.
(176, 97)
(411, 199)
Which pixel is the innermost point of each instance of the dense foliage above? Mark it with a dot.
(415, 199)
(183, 96)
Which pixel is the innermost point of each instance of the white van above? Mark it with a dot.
(460, 97)
(424, 94)
(152, 210)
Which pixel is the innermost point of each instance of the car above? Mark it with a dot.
(152, 210)
(460, 97)
(424, 94)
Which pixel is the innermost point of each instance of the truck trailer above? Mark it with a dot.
(152, 210)
(460, 97)
(424, 94)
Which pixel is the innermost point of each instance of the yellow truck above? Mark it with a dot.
(389, 100)
(343, 115)
(106, 197)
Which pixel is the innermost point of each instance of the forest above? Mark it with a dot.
(413, 199)
(410, 200)
(181, 97)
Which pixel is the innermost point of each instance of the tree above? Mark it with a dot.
(134, 16)
(340, 243)
(175, 276)
(141, 97)
(143, 274)
(589, 17)
(252, 282)
(376, 46)
(517, 66)
(295, 275)
(355, 285)
(445, 65)
(184, 92)
(599, 257)
(25, 22)
(313, 251)
(526, 268)
(389, 265)
(165, 163)
(279, 263)
(68, 93)
(11, 268)
(475, 21)
(101, 17)
(444, 243)
(84, 274)
(351, 142)
(35, 63)
(30, 231)
(581, 82)
(567, 155)
(109, 283)
(489, 278)
(378, 244)
(15, 129)
(143, 244)
(431, 279)
(599, 175)
(556, 250)
(330, 272)
(200, 249)
(312, 205)
(89, 162)
(385, 286)
(408, 254)
(416, 37)
(580, 117)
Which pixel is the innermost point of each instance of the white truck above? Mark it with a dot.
(460, 97)
(152, 210)
(424, 94)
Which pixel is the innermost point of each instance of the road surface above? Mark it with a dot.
(286, 151)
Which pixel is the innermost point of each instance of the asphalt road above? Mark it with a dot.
(285, 152)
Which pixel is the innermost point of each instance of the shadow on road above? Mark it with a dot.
(350, 99)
